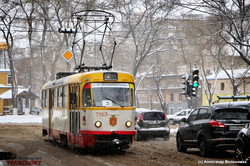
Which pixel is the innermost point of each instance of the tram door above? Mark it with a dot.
(74, 108)
(51, 105)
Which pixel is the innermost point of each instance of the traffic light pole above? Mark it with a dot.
(191, 83)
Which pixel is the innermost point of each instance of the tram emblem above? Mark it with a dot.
(113, 120)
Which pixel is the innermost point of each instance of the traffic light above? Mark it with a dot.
(186, 87)
(195, 82)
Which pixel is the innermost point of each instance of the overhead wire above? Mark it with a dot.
(182, 26)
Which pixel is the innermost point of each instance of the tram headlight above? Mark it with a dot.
(98, 124)
(128, 123)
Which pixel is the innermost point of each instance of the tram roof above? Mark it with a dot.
(93, 76)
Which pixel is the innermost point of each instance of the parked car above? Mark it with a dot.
(178, 116)
(36, 111)
(211, 128)
(151, 123)
(242, 151)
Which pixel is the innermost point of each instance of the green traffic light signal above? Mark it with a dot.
(195, 84)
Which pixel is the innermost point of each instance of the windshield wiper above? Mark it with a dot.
(114, 102)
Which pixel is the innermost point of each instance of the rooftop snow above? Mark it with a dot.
(238, 73)
(5, 86)
(4, 70)
(8, 95)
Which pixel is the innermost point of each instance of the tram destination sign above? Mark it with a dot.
(110, 85)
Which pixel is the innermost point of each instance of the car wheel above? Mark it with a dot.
(179, 144)
(240, 152)
(171, 121)
(205, 149)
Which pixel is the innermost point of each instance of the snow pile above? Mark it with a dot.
(21, 119)
(173, 131)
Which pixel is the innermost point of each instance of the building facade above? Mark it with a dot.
(222, 84)
(25, 98)
(171, 89)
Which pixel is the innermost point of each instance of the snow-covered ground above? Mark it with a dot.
(20, 119)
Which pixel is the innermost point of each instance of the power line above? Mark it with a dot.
(182, 27)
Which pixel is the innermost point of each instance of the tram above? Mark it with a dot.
(90, 109)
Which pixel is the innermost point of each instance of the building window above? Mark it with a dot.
(171, 97)
(222, 86)
(9, 79)
(171, 110)
(180, 96)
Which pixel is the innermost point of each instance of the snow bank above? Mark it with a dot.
(173, 131)
(20, 119)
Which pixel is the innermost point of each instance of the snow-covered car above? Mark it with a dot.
(151, 123)
(179, 116)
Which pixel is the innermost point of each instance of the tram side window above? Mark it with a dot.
(77, 96)
(65, 96)
(44, 98)
(59, 100)
(61, 96)
(55, 97)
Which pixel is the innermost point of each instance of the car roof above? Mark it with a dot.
(146, 110)
(234, 103)
(222, 107)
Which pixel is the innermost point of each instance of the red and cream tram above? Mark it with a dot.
(90, 109)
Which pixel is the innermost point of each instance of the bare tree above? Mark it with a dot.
(144, 23)
(235, 20)
(157, 74)
(218, 50)
(214, 48)
(44, 19)
(8, 14)
(28, 8)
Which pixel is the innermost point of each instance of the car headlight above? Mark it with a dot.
(98, 124)
(128, 123)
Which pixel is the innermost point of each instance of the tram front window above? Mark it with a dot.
(110, 95)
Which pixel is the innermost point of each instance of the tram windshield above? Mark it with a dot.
(108, 95)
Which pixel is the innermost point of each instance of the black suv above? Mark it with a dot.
(151, 123)
(242, 145)
(211, 128)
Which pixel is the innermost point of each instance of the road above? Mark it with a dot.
(26, 142)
